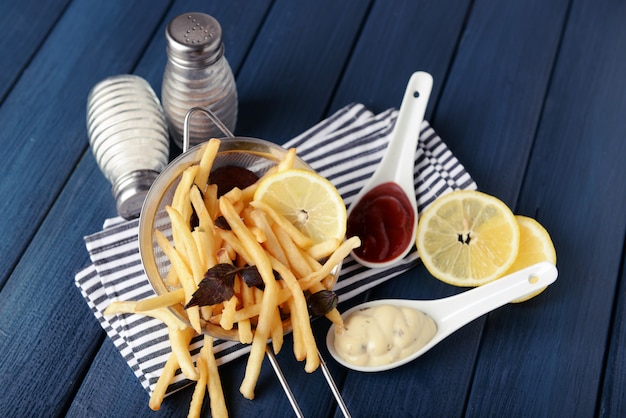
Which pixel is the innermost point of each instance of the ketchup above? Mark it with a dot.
(226, 178)
(383, 220)
(230, 176)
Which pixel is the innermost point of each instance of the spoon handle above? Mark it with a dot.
(407, 128)
(458, 310)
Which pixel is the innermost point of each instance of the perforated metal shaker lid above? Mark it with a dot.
(194, 39)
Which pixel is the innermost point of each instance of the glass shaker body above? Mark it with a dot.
(197, 74)
(128, 137)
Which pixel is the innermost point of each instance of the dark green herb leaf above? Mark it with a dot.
(230, 176)
(252, 277)
(322, 302)
(222, 223)
(215, 287)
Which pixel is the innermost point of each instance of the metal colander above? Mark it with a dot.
(254, 154)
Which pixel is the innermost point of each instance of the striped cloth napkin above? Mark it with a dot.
(345, 148)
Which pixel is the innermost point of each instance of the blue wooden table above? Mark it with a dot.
(529, 95)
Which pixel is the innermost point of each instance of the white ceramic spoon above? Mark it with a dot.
(454, 312)
(398, 162)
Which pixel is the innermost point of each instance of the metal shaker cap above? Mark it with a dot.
(130, 192)
(194, 40)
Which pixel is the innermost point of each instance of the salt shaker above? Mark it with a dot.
(197, 74)
(128, 135)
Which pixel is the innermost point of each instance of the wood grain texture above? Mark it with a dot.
(290, 73)
(49, 335)
(494, 95)
(612, 401)
(559, 365)
(397, 40)
(43, 120)
(31, 21)
(529, 95)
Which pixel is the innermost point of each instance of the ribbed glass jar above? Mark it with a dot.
(197, 74)
(128, 137)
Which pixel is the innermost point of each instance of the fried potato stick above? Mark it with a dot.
(271, 244)
(323, 249)
(205, 242)
(171, 279)
(214, 385)
(295, 259)
(186, 238)
(130, 307)
(206, 162)
(197, 398)
(288, 161)
(186, 278)
(270, 295)
(299, 238)
(179, 341)
(299, 350)
(181, 201)
(167, 376)
(161, 301)
(244, 326)
(210, 200)
(300, 315)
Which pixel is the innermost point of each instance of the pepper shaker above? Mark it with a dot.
(197, 74)
(128, 136)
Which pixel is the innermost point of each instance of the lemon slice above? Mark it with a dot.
(308, 200)
(535, 245)
(467, 238)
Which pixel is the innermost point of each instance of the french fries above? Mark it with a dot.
(257, 236)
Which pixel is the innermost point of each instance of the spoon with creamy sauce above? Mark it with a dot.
(384, 334)
(384, 213)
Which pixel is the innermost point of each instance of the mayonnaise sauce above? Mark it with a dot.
(384, 334)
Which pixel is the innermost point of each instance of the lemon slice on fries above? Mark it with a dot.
(308, 200)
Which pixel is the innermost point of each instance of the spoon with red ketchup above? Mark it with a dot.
(384, 213)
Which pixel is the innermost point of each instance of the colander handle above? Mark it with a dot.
(211, 116)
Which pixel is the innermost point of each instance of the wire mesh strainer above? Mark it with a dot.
(256, 155)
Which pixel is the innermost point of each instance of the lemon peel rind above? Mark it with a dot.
(338, 218)
(548, 252)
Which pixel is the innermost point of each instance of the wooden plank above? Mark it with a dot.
(48, 333)
(395, 42)
(575, 186)
(289, 76)
(43, 120)
(494, 95)
(32, 20)
(121, 394)
(612, 401)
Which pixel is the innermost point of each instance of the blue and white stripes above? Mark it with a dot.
(345, 148)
